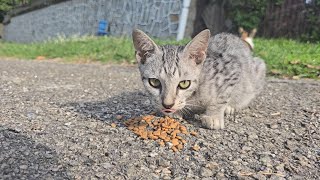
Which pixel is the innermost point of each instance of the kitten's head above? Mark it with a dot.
(170, 73)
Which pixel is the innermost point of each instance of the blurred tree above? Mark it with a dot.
(246, 13)
(228, 15)
(7, 5)
(313, 21)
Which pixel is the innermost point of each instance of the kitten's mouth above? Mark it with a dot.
(168, 111)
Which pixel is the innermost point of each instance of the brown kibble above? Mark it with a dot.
(173, 125)
(193, 133)
(162, 137)
(161, 143)
(175, 142)
(183, 128)
(161, 120)
(185, 132)
(173, 136)
(154, 137)
(144, 135)
(155, 123)
(180, 146)
(161, 129)
(196, 147)
(174, 149)
(167, 139)
(156, 133)
(113, 125)
(175, 132)
(163, 133)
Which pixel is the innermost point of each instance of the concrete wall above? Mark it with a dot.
(158, 18)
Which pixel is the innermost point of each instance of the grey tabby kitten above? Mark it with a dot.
(218, 74)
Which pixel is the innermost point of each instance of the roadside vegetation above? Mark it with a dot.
(284, 58)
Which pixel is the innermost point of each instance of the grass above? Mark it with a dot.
(103, 49)
(289, 58)
(283, 57)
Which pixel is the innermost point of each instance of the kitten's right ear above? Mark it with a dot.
(143, 44)
(196, 49)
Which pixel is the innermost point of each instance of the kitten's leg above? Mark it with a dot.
(229, 110)
(178, 115)
(214, 117)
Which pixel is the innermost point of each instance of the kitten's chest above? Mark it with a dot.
(196, 101)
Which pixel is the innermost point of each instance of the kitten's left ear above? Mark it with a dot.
(143, 45)
(197, 48)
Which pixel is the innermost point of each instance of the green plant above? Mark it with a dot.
(313, 22)
(283, 57)
(247, 13)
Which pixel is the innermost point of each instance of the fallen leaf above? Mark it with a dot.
(196, 147)
(40, 58)
(113, 125)
(275, 71)
(295, 62)
(295, 77)
(313, 67)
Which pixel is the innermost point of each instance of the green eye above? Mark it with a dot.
(154, 82)
(184, 84)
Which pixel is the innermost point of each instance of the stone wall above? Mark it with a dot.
(158, 18)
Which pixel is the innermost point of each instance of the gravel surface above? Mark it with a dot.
(55, 123)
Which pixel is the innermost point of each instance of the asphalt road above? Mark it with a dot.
(55, 123)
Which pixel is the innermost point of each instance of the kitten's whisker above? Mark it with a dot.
(187, 111)
(183, 112)
(193, 105)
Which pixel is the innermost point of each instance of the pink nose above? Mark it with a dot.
(167, 106)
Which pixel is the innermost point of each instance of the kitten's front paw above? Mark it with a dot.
(229, 111)
(178, 116)
(211, 123)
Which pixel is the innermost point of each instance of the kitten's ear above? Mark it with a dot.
(197, 48)
(143, 44)
(241, 30)
(253, 33)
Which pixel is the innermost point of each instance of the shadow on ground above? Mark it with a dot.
(128, 105)
(23, 158)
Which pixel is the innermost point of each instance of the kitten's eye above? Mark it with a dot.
(184, 84)
(154, 82)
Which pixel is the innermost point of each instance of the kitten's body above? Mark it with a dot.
(222, 71)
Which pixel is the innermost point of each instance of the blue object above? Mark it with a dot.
(103, 26)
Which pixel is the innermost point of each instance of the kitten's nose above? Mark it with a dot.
(167, 106)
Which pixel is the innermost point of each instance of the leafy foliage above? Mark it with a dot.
(247, 13)
(7, 5)
(313, 19)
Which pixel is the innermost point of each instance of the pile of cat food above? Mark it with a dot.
(160, 129)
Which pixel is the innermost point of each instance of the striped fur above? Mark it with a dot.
(223, 73)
